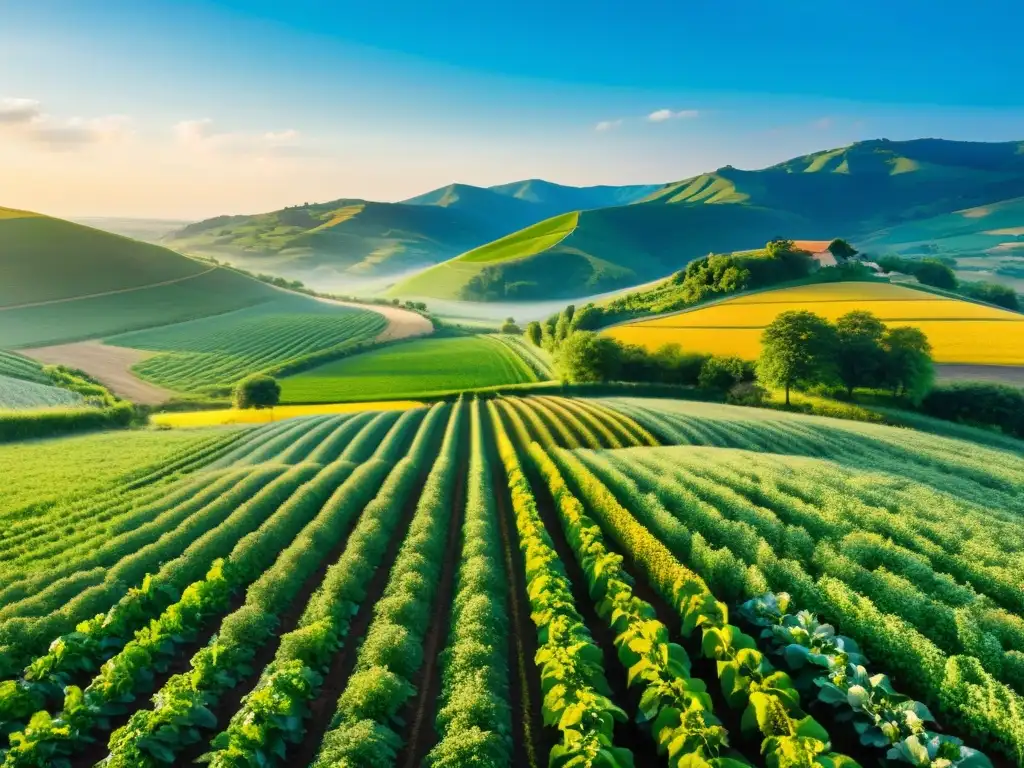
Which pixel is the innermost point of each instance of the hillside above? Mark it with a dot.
(851, 192)
(45, 259)
(959, 331)
(61, 281)
(327, 243)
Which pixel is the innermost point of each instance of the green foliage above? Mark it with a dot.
(534, 334)
(25, 425)
(797, 349)
(927, 271)
(992, 293)
(859, 357)
(586, 357)
(257, 391)
(574, 689)
(721, 373)
(981, 403)
(391, 655)
(907, 367)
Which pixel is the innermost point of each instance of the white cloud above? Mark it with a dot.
(662, 115)
(201, 135)
(24, 119)
(19, 111)
(607, 125)
(823, 124)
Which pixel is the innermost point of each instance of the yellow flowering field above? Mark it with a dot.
(959, 331)
(262, 416)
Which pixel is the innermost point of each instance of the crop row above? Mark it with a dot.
(392, 652)
(743, 550)
(576, 694)
(270, 719)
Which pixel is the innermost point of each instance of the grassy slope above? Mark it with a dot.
(845, 192)
(960, 331)
(409, 370)
(43, 259)
(217, 351)
(20, 394)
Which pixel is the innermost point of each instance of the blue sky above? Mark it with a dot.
(189, 109)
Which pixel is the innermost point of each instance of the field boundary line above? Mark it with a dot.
(101, 294)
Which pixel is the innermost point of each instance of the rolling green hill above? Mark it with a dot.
(64, 282)
(356, 238)
(851, 192)
(45, 259)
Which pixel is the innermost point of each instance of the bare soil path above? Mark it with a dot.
(109, 365)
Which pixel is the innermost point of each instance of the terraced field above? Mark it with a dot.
(959, 331)
(410, 370)
(215, 352)
(515, 582)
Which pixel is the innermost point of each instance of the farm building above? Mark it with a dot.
(818, 250)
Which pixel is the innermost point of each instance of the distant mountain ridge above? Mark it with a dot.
(359, 238)
(851, 191)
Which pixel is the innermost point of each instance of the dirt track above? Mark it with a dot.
(109, 365)
(402, 324)
(1001, 374)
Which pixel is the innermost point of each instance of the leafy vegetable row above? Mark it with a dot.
(80, 653)
(474, 721)
(270, 717)
(768, 697)
(576, 694)
(392, 651)
(155, 737)
(51, 741)
(746, 566)
(675, 705)
(831, 667)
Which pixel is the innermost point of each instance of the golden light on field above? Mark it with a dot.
(959, 331)
(251, 416)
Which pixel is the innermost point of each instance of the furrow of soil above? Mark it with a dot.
(532, 742)
(420, 736)
(321, 710)
(629, 734)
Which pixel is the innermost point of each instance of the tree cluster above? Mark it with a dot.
(977, 402)
(802, 350)
(938, 273)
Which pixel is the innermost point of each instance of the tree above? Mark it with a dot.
(720, 373)
(796, 350)
(858, 355)
(509, 326)
(934, 272)
(586, 357)
(257, 391)
(534, 334)
(841, 249)
(563, 326)
(908, 368)
(588, 318)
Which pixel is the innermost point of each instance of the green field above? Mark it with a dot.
(392, 588)
(209, 294)
(409, 370)
(19, 367)
(19, 394)
(217, 351)
(42, 259)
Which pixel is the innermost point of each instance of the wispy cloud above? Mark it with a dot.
(662, 115)
(823, 123)
(607, 125)
(201, 135)
(25, 119)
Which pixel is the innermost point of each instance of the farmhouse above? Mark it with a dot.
(818, 250)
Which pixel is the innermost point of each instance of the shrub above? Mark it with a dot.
(975, 402)
(257, 391)
(747, 393)
(721, 373)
